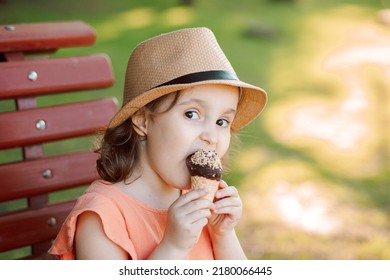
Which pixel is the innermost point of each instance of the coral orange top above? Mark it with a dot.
(134, 226)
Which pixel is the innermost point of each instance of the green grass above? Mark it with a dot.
(280, 46)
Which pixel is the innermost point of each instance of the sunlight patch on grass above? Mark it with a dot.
(143, 17)
(177, 16)
(131, 19)
(300, 64)
(341, 129)
(293, 212)
(303, 206)
(298, 185)
(344, 142)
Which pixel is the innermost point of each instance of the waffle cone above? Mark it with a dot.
(198, 182)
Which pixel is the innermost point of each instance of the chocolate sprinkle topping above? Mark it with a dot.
(205, 163)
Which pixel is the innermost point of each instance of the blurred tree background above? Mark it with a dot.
(314, 169)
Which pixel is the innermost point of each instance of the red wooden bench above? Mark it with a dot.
(26, 72)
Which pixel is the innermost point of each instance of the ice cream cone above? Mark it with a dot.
(198, 182)
(205, 169)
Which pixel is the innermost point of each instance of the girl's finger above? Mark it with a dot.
(227, 202)
(200, 223)
(198, 215)
(226, 191)
(223, 184)
(190, 196)
(196, 205)
(230, 209)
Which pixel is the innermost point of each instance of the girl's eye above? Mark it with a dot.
(223, 122)
(192, 115)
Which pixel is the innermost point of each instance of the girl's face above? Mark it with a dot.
(201, 118)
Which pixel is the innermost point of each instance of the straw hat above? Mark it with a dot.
(179, 60)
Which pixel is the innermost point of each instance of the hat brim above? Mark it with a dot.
(251, 104)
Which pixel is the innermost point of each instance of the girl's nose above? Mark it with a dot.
(209, 135)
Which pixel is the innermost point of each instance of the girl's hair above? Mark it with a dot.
(118, 146)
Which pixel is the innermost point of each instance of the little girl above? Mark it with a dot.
(181, 94)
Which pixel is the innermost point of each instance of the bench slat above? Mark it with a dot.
(54, 75)
(34, 177)
(33, 126)
(32, 226)
(33, 37)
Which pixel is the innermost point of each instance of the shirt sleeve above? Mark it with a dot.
(111, 216)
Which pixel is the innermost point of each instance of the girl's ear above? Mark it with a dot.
(140, 123)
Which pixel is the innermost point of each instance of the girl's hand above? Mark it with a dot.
(227, 210)
(186, 218)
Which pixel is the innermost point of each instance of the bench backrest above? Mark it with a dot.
(26, 72)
